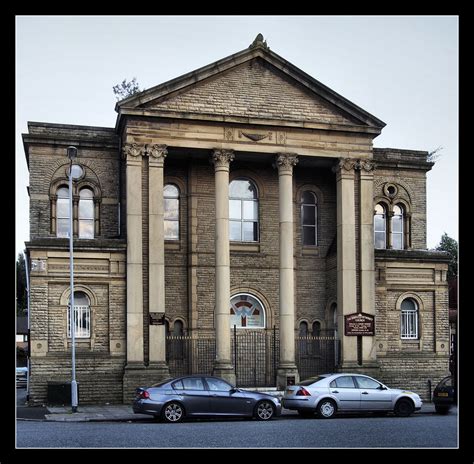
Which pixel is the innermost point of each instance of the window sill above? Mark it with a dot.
(245, 247)
(172, 245)
(311, 250)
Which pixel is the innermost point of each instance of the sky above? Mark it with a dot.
(401, 69)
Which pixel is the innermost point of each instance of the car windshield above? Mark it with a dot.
(311, 381)
(447, 382)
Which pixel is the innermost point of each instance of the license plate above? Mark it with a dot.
(442, 394)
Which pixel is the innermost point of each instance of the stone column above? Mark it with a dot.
(346, 257)
(366, 248)
(223, 366)
(156, 256)
(287, 370)
(133, 156)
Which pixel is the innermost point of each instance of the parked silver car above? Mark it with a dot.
(21, 377)
(331, 393)
(174, 399)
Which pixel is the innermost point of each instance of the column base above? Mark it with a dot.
(226, 372)
(287, 375)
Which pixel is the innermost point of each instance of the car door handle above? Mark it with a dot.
(335, 391)
(365, 393)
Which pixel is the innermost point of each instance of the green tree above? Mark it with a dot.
(450, 245)
(21, 295)
(126, 89)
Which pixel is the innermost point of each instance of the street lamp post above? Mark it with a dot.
(72, 155)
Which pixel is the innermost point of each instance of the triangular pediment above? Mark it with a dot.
(252, 90)
(254, 84)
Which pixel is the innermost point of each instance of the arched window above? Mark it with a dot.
(171, 211)
(178, 328)
(397, 227)
(62, 212)
(380, 226)
(316, 329)
(303, 331)
(86, 213)
(246, 312)
(309, 218)
(243, 211)
(409, 319)
(82, 316)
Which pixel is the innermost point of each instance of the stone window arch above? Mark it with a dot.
(397, 221)
(82, 315)
(380, 226)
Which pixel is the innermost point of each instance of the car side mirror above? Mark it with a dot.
(234, 390)
(382, 387)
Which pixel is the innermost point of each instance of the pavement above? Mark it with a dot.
(114, 412)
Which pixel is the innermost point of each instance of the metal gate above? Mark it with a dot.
(255, 355)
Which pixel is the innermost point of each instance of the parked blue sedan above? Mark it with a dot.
(175, 399)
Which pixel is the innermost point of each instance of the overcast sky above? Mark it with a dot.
(401, 69)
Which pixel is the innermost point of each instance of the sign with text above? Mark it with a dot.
(359, 324)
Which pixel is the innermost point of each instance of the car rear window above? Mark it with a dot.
(311, 381)
(160, 384)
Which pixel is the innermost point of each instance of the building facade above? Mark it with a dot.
(242, 198)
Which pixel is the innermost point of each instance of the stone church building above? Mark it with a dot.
(231, 214)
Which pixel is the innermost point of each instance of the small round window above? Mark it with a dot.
(390, 190)
(246, 312)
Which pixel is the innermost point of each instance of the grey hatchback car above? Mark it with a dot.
(331, 393)
(172, 400)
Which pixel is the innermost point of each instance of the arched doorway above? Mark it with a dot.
(253, 344)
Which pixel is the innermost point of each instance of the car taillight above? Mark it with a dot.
(303, 392)
(144, 394)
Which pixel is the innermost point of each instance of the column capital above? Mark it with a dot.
(157, 154)
(345, 164)
(285, 162)
(132, 150)
(365, 166)
(222, 158)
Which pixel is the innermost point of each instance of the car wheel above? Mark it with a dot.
(404, 408)
(173, 412)
(264, 410)
(326, 409)
(440, 409)
(305, 414)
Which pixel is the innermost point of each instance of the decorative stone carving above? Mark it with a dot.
(254, 137)
(158, 152)
(286, 162)
(222, 158)
(132, 149)
(259, 42)
(366, 165)
(228, 133)
(347, 164)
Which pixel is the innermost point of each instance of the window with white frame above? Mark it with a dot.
(397, 228)
(309, 217)
(409, 319)
(243, 211)
(82, 316)
(171, 211)
(86, 213)
(62, 212)
(380, 227)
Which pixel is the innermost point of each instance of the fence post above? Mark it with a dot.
(235, 353)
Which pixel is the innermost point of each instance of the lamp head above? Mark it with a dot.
(72, 153)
